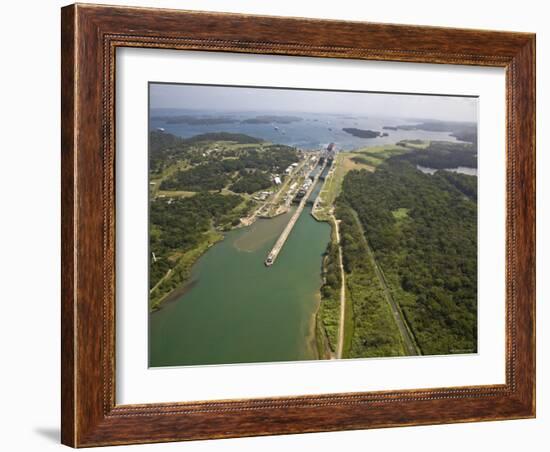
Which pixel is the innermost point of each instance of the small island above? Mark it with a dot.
(361, 133)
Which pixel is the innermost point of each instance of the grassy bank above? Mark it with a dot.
(375, 332)
(324, 350)
(329, 308)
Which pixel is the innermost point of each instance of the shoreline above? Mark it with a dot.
(317, 339)
(323, 341)
(323, 308)
(179, 281)
(182, 270)
(320, 328)
(200, 250)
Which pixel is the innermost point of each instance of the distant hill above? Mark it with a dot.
(164, 146)
(161, 141)
(224, 136)
(463, 131)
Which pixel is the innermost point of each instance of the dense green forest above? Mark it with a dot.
(442, 154)
(423, 231)
(163, 147)
(466, 184)
(250, 182)
(179, 224)
(163, 143)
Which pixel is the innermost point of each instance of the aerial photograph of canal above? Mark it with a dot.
(293, 224)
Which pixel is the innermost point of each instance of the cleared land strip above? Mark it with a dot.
(408, 339)
(341, 327)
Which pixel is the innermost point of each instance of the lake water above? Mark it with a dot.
(314, 131)
(460, 169)
(237, 310)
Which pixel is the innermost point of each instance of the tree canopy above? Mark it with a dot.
(428, 252)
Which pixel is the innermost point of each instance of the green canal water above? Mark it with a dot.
(237, 310)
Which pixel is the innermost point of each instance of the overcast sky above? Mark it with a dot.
(237, 99)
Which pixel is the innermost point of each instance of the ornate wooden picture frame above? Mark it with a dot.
(90, 37)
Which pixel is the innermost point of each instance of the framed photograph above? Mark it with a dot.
(282, 225)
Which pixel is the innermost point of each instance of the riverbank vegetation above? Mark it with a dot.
(180, 230)
(375, 333)
(329, 309)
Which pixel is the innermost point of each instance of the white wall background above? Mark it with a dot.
(29, 238)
